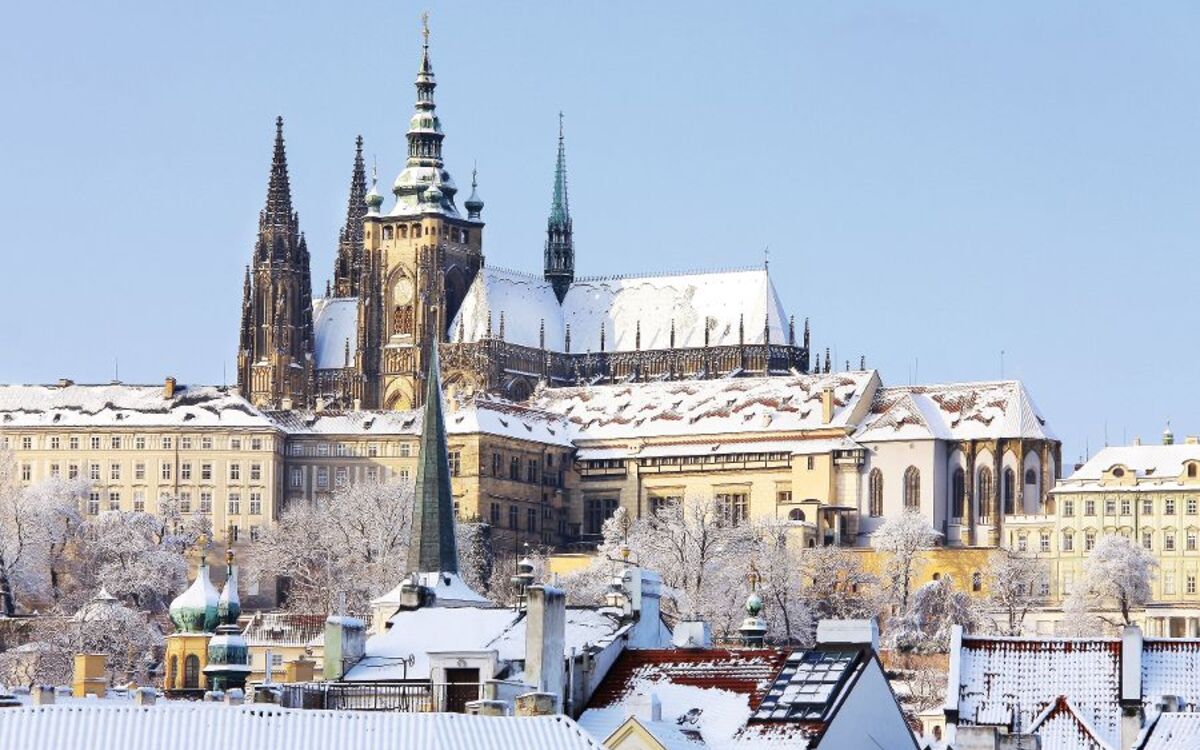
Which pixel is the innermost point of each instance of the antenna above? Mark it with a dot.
(116, 369)
(1002, 364)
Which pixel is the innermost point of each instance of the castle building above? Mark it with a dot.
(412, 275)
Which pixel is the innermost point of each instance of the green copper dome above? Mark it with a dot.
(195, 610)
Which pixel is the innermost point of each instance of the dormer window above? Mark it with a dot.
(1191, 471)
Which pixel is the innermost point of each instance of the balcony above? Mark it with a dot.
(408, 697)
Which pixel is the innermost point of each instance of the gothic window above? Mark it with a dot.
(402, 320)
(957, 490)
(1010, 480)
(191, 672)
(912, 487)
(403, 231)
(985, 490)
(1030, 476)
(875, 493)
(387, 233)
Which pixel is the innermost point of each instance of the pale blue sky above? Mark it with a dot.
(936, 181)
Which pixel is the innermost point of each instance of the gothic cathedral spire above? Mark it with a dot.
(347, 269)
(560, 245)
(275, 357)
(432, 548)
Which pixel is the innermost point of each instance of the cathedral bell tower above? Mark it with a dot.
(560, 245)
(421, 256)
(275, 357)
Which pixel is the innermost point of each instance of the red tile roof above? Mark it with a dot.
(746, 671)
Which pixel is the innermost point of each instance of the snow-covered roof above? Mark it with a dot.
(118, 405)
(449, 589)
(183, 725)
(715, 448)
(1171, 731)
(415, 633)
(714, 715)
(957, 411)
(1016, 681)
(585, 626)
(335, 324)
(284, 629)
(733, 305)
(487, 416)
(1166, 462)
(1061, 726)
(704, 407)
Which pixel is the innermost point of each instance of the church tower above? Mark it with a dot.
(423, 255)
(275, 360)
(560, 245)
(347, 269)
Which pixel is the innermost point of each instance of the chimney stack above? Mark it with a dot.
(545, 638)
(169, 388)
(827, 404)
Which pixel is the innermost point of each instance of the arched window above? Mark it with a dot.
(957, 492)
(403, 231)
(387, 233)
(912, 487)
(795, 514)
(1191, 471)
(191, 672)
(416, 230)
(173, 669)
(1010, 480)
(985, 491)
(875, 493)
(1030, 476)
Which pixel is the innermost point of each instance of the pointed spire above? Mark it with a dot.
(278, 212)
(374, 200)
(792, 330)
(560, 243)
(474, 204)
(432, 547)
(862, 362)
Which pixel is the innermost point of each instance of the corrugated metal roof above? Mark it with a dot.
(205, 726)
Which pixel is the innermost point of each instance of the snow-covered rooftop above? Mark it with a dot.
(732, 305)
(1171, 731)
(416, 633)
(1167, 462)
(335, 326)
(585, 627)
(284, 629)
(183, 725)
(120, 405)
(488, 416)
(956, 411)
(1017, 681)
(704, 407)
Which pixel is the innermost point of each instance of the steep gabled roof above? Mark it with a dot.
(1063, 727)
(955, 411)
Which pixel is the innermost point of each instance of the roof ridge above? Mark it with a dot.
(661, 274)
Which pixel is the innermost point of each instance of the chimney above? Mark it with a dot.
(1137, 441)
(848, 633)
(169, 388)
(645, 707)
(644, 588)
(827, 404)
(345, 643)
(88, 677)
(545, 639)
(1191, 440)
(536, 704)
(1132, 714)
(692, 634)
(286, 404)
(42, 695)
(487, 708)
(144, 696)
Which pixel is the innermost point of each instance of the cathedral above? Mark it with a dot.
(412, 275)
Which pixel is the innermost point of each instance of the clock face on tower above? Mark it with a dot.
(402, 293)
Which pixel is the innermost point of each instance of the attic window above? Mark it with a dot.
(1118, 472)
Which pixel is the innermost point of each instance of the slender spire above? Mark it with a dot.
(474, 204)
(432, 548)
(278, 212)
(560, 242)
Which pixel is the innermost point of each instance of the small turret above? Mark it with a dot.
(1168, 437)
(374, 199)
(228, 655)
(474, 203)
(754, 627)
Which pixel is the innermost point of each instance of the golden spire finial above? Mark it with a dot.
(425, 26)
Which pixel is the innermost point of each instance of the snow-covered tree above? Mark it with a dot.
(127, 554)
(780, 582)
(354, 546)
(903, 539)
(834, 584)
(936, 608)
(1014, 585)
(1116, 576)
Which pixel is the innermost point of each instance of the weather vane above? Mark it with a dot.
(425, 26)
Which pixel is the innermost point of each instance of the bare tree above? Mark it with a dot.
(903, 538)
(925, 627)
(1014, 583)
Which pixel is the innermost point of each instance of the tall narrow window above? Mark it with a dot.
(985, 491)
(957, 491)
(875, 493)
(1010, 480)
(912, 487)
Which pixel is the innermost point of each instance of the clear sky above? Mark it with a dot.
(937, 182)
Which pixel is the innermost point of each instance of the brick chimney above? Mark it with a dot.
(169, 388)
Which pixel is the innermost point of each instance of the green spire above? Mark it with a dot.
(560, 211)
(560, 243)
(432, 547)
